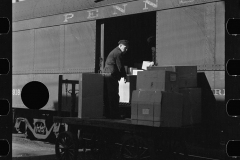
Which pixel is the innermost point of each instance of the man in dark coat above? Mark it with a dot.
(113, 71)
(152, 44)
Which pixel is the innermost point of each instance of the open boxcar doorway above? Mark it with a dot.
(136, 28)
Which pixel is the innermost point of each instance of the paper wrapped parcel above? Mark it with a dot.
(124, 91)
(146, 64)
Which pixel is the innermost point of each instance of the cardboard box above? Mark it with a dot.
(145, 105)
(164, 108)
(142, 105)
(134, 104)
(157, 80)
(191, 106)
(157, 106)
(186, 75)
(182, 71)
(91, 107)
(171, 110)
(187, 82)
(90, 95)
(164, 68)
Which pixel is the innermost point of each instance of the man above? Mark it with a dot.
(152, 43)
(114, 70)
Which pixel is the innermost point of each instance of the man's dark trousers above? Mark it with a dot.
(111, 96)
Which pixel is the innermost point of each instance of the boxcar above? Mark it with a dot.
(52, 38)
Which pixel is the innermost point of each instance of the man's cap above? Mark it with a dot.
(124, 42)
(151, 41)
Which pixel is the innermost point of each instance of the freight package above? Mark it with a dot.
(157, 106)
(126, 89)
(134, 104)
(186, 75)
(142, 99)
(157, 80)
(90, 96)
(145, 105)
(171, 110)
(191, 106)
(124, 92)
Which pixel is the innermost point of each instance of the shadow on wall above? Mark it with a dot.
(66, 104)
(209, 107)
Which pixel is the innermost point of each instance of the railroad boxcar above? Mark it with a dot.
(52, 38)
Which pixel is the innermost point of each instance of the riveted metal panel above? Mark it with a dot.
(23, 51)
(186, 36)
(80, 46)
(47, 49)
(18, 82)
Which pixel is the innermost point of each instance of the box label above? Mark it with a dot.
(173, 77)
(145, 111)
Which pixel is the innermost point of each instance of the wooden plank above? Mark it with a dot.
(126, 125)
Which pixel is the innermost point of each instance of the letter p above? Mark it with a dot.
(68, 16)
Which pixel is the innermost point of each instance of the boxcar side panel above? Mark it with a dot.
(220, 33)
(80, 47)
(18, 82)
(187, 36)
(47, 49)
(23, 51)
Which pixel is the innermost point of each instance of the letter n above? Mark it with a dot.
(154, 5)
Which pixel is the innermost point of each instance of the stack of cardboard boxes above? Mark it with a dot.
(167, 97)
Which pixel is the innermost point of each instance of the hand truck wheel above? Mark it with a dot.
(66, 146)
(136, 148)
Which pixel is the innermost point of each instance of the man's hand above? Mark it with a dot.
(125, 79)
(151, 64)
